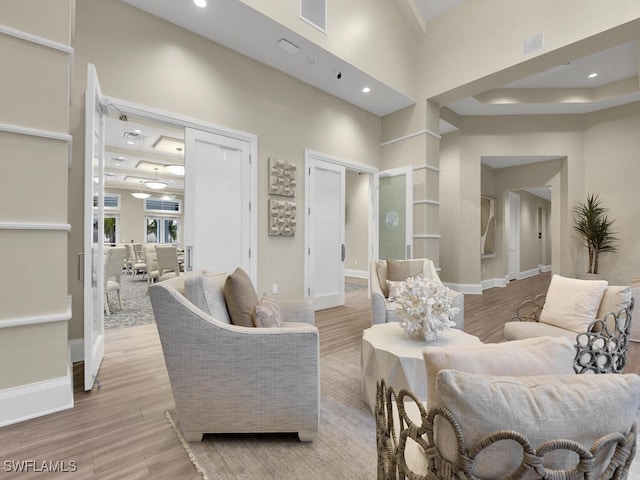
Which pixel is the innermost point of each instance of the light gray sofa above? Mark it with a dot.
(384, 311)
(233, 379)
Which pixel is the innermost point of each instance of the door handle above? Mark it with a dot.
(80, 267)
(188, 251)
(343, 252)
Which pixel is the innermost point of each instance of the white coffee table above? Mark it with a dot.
(387, 354)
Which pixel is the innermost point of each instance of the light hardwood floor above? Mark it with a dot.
(120, 430)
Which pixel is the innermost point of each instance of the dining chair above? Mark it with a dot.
(114, 261)
(150, 259)
(168, 263)
(137, 263)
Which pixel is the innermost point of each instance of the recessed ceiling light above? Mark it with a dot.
(130, 142)
(200, 3)
(593, 75)
(137, 130)
(366, 90)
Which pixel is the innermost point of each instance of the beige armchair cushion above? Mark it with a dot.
(615, 298)
(532, 356)
(572, 303)
(241, 298)
(578, 407)
(207, 293)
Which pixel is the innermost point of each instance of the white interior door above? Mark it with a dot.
(514, 235)
(93, 231)
(325, 198)
(219, 225)
(395, 213)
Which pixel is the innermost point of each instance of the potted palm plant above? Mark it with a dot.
(591, 222)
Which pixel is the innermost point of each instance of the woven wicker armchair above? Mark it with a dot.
(408, 446)
(592, 314)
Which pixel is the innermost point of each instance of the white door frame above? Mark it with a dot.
(513, 236)
(177, 120)
(372, 243)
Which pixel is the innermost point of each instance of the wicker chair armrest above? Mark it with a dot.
(529, 310)
(393, 431)
(603, 347)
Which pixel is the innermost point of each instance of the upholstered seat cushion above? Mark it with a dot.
(532, 356)
(206, 292)
(582, 408)
(572, 303)
(520, 330)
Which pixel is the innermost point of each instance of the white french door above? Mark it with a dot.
(219, 221)
(514, 236)
(395, 213)
(325, 208)
(93, 230)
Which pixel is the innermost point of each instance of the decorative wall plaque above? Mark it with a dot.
(282, 217)
(282, 177)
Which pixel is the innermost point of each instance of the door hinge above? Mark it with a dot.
(309, 292)
(249, 253)
(249, 206)
(309, 251)
(309, 170)
(250, 159)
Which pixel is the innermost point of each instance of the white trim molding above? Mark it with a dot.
(411, 135)
(56, 227)
(493, 282)
(33, 132)
(356, 273)
(528, 273)
(427, 236)
(544, 268)
(470, 288)
(426, 202)
(45, 42)
(426, 166)
(35, 320)
(37, 399)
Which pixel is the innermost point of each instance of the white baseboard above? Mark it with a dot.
(356, 273)
(528, 273)
(544, 268)
(494, 282)
(470, 288)
(76, 347)
(37, 399)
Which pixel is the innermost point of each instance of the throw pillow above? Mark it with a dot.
(397, 270)
(267, 313)
(572, 303)
(582, 408)
(394, 289)
(381, 269)
(207, 293)
(531, 356)
(615, 298)
(241, 298)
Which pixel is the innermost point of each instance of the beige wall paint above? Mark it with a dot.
(372, 35)
(479, 45)
(33, 191)
(357, 221)
(530, 246)
(611, 150)
(599, 156)
(155, 63)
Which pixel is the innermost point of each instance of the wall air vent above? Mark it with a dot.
(315, 13)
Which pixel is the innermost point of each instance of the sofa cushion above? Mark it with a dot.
(615, 298)
(541, 408)
(381, 270)
(572, 303)
(532, 356)
(241, 298)
(267, 313)
(517, 330)
(207, 293)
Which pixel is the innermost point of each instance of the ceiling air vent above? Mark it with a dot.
(315, 13)
(132, 136)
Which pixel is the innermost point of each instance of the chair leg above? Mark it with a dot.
(106, 304)
(120, 300)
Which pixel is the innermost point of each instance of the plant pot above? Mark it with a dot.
(591, 276)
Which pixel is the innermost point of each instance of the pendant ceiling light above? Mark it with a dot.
(176, 169)
(140, 194)
(156, 184)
